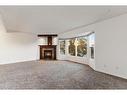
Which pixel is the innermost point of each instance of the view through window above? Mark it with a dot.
(72, 47)
(78, 46)
(62, 47)
(82, 46)
(92, 44)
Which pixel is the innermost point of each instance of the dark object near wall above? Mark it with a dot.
(49, 40)
(44, 35)
(92, 52)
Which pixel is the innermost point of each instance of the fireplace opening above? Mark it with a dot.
(47, 54)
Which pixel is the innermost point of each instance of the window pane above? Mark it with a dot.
(72, 47)
(92, 44)
(62, 47)
(81, 46)
(92, 52)
(91, 40)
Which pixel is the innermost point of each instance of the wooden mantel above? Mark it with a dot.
(46, 35)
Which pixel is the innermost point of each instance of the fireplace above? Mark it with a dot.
(47, 54)
(48, 51)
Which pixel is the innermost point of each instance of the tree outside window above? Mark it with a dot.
(62, 47)
(72, 46)
(82, 46)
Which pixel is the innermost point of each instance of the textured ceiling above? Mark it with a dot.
(54, 19)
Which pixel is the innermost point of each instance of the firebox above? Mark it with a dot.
(47, 54)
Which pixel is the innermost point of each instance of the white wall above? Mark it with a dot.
(110, 45)
(54, 40)
(17, 46)
(42, 41)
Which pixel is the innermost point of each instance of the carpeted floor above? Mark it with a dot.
(56, 75)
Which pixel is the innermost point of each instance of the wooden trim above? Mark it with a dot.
(49, 40)
(47, 45)
(44, 35)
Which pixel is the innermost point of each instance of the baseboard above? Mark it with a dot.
(111, 74)
(17, 61)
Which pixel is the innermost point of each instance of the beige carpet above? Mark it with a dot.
(55, 75)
